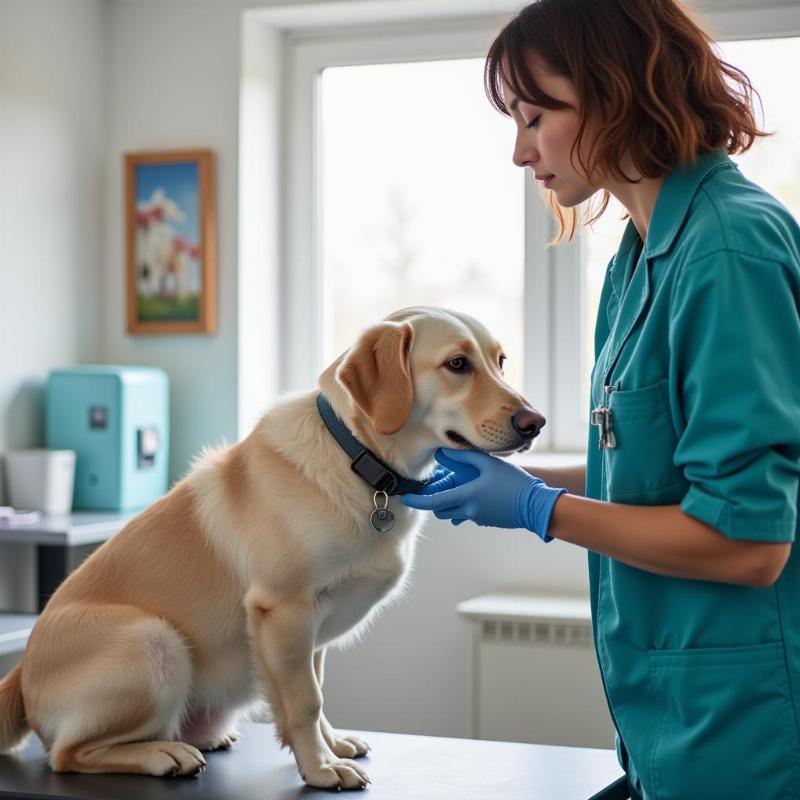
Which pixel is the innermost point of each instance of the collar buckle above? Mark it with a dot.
(374, 472)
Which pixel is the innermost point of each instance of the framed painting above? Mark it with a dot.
(171, 242)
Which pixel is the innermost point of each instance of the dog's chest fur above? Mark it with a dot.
(349, 602)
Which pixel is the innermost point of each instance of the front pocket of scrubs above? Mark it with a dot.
(640, 468)
(726, 726)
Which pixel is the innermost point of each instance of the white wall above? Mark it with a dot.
(52, 156)
(173, 83)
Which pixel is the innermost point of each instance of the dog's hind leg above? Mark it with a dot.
(210, 729)
(123, 710)
(283, 638)
(144, 758)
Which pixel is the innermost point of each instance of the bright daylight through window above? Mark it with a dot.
(421, 203)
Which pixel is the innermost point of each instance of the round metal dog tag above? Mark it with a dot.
(382, 520)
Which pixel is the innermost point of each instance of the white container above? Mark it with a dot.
(41, 479)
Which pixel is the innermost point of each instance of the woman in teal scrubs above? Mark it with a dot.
(688, 502)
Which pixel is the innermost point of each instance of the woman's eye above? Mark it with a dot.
(458, 364)
(534, 123)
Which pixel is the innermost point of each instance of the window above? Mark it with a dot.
(421, 204)
(773, 162)
(401, 172)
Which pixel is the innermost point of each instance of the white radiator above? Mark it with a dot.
(534, 672)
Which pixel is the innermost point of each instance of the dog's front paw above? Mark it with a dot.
(349, 746)
(337, 775)
(343, 745)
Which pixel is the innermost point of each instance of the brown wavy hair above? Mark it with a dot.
(646, 75)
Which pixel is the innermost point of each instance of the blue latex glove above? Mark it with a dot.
(443, 478)
(440, 478)
(488, 491)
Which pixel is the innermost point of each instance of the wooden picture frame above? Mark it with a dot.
(171, 242)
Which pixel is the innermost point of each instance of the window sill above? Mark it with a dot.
(550, 458)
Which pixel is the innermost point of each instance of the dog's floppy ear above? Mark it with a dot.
(376, 374)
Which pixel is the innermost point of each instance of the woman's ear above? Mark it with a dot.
(376, 373)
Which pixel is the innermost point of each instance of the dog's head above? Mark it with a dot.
(428, 377)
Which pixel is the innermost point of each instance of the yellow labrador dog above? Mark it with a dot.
(231, 586)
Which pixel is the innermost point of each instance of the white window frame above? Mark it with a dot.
(311, 37)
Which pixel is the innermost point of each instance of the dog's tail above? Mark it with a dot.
(13, 725)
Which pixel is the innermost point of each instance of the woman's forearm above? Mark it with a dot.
(572, 478)
(665, 540)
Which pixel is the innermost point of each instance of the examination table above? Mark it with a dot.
(401, 767)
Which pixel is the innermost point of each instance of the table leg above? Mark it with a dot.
(51, 567)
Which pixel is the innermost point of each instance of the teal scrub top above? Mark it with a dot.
(698, 359)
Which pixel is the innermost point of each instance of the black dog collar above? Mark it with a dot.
(364, 462)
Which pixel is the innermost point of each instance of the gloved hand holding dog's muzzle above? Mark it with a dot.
(488, 491)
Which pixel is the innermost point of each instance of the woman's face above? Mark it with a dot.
(545, 138)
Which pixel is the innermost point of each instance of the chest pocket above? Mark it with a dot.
(640, 468)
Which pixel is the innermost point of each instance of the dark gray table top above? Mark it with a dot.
(401, 768)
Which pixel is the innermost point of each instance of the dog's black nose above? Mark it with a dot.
(527, 423)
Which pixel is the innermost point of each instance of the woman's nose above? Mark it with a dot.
(525, 154)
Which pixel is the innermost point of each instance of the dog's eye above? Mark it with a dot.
(502, 361)
(458, 364)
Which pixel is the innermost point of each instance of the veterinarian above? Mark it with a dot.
(693, 462)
